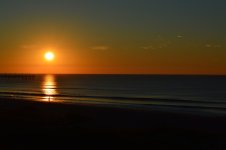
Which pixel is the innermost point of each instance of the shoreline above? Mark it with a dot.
(28, 120)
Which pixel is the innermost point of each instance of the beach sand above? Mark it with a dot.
(28, 124)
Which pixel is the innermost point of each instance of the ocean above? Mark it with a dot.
(188, 93)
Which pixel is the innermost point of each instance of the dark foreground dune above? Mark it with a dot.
(36, 125)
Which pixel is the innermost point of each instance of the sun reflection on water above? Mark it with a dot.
(49, 88)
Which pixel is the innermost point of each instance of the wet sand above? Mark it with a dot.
(27, 124)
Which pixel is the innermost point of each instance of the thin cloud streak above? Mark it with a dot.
(101, 48)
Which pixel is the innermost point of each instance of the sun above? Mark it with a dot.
(49, 56)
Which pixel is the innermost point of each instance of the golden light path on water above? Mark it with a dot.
(49, 88)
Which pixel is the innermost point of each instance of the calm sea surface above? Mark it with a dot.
(181, 92)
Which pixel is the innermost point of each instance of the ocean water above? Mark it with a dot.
(139, 91)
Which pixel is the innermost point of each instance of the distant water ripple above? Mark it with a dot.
(199, 92)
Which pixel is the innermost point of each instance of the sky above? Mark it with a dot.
(113, 36)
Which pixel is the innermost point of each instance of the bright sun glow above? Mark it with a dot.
(49, 56)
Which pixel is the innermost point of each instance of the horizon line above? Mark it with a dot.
(154, 74)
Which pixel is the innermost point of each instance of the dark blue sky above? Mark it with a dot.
(181, 14)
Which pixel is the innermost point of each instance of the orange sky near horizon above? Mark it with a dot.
(103, 61)
(81, 59)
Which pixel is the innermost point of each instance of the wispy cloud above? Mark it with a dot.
(180, 36)
(148, 47)
(101, 48)
(154, 47)
(208, 45)
(213, 46)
